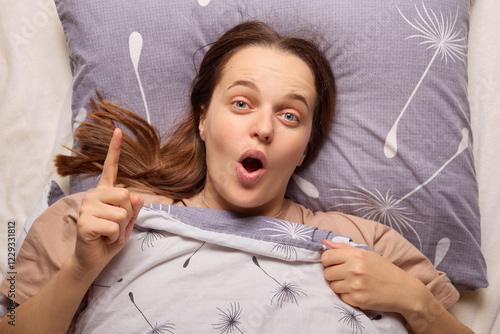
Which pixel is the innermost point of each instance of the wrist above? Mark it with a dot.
(76, 273)
(417, 298)
(423, 309)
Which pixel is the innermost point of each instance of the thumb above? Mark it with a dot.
(335, 245)
(137, 202)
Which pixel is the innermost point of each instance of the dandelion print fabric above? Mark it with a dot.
(400, 148)
(181, 273)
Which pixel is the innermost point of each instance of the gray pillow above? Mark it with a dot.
(399, 150)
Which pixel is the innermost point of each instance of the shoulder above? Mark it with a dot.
(381, 238)
(358, 229)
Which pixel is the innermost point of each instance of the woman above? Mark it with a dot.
(261, 106)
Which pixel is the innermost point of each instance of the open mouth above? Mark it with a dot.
(251, 164)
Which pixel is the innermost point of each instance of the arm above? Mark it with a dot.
(366, 280)
(106, 219)
(60, 297)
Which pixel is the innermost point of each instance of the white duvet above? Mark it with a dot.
(182, 271)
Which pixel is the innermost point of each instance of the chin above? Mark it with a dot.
(248, 200)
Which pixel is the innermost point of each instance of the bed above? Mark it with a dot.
(39, 114)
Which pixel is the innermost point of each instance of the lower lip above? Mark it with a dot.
(247, 177)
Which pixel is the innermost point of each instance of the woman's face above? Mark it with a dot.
(256, 130)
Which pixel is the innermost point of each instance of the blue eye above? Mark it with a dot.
(240, 105)
(290, 117)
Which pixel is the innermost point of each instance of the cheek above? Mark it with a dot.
(219, 144)
(219, 135)
(303, 141)
(292, 151)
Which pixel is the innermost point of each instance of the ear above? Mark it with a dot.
(201, 124)
(304, 155)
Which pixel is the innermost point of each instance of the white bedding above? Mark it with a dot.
(480, 309)
(253, 288)
(35, 85)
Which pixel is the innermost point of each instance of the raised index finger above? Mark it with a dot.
(110, 169)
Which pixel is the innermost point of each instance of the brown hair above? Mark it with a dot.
(177, 168)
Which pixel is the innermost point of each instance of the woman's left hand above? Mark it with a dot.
(366, 280)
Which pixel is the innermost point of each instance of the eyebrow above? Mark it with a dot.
(252, 85)
(246, 83)
(298, 97)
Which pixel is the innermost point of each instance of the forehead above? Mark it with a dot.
(260, 64)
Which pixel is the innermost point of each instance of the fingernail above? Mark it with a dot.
(122, 240)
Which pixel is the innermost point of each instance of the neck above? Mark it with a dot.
(211, 203)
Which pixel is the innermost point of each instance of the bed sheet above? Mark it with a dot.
(480, 309)
(35, 86)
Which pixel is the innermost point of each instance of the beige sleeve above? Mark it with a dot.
(395, 248)
(49, 242)
(405, 255)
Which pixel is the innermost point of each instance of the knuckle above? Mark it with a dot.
(360, 299)
(84, 214)
(121, 215)
(349, 299)
(81, 222)
(359, 268)
(324, 258)
(360, 254)
(89, 196)
(326, 274)
(357, 285)
(84, 226)
(345, 299)
(122, 194)
(114, 229)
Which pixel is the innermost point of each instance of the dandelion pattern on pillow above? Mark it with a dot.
(388, 209)
(439, 33)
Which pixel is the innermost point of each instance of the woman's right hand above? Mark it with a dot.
(106, 219)
(107, 216)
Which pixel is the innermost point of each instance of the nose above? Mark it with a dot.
(263, 126)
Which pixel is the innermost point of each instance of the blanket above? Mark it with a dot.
(192, 270)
